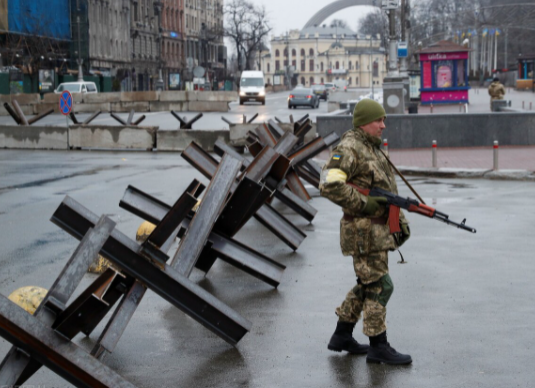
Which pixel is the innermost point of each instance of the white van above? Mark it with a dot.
(77, 87)
(252, 87)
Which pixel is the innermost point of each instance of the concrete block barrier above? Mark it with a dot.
(166, 106)
(174, 96)
(33, 137)
(112, 137)
(127, 106)
(91, 108)
(100, 98)
(139, 96)
(208, 106)
(449, 130)
(178, 140)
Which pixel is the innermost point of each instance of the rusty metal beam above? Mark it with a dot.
(211, 206)
(35, 119)
(165, 281)
(92, 117)
(229, 250)
(117, 118)
(12, 113)
(20, 113)
(54, 351)
(17, 367)
(269, 217)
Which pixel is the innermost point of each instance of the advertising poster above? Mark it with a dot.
(174, 81)
(46, 81)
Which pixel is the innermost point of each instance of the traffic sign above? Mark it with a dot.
(65, 103)
(402, 50)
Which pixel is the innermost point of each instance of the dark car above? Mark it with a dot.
(303, 97)
(321, 91)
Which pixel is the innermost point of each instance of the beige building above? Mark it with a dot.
(323, 54)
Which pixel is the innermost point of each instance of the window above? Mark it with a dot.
(311, 52)
(356, 65)
(349, 65)
(302, 80)
(311, 65)
(321, 79)
(337, 64)
(302, 52)
(302, 65)
(286, 52)
(277, 65)
(311, 80)
(321, 67)
(294, 63)
(443, 71)
(277, 53)
(293, 53)
(349, 81)
(375, 69)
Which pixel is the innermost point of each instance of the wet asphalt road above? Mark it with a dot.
(462, 307)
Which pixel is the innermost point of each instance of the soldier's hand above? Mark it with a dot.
(405, 234)
(373, 205)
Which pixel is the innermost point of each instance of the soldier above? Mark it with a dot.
(496, 91)
(364, 232)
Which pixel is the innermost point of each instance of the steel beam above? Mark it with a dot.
(284, 195)
(202, 224)
(165, 281)
(228, 249)
(53, 350)
(269, 217)
(17, 367)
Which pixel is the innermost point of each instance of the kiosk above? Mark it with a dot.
(444, 72)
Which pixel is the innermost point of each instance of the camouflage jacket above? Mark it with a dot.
(357, 159)
(496, 91)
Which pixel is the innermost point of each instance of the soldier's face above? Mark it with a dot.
(375, 128)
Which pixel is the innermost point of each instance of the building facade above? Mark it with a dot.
(317, 55)
(204, 39)
(107, 34)
(173, 57)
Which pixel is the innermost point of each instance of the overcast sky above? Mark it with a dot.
(285, 15)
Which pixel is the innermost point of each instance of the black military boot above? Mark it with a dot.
(342, 339)
(381, 351)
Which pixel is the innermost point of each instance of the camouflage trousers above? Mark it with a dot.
(370, 295)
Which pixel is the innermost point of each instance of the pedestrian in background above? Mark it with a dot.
(496, 91)
(364, 232)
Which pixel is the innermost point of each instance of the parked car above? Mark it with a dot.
(77, 87)
(303, 97)
(330, 87)
(320, 91)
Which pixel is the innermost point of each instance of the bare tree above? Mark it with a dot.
(247, 26)
(338, 23)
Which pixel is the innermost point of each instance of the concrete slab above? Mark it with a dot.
(112, 137)
(33, 137)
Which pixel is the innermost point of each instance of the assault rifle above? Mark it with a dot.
(395, 202)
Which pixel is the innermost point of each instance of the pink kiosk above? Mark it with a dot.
(444, 74)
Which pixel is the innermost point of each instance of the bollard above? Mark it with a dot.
(385, 145)
(495, 156)
(460, 108)
(465, 108)
(431, 108)
(530, 105)
(434, 154)
(522, 104)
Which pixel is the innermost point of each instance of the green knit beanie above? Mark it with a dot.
(366, 111)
